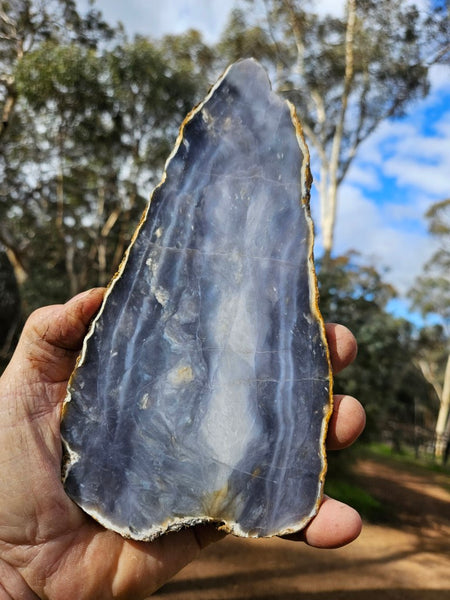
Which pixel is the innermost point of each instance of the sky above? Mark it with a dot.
(155, 18)
(398, 173)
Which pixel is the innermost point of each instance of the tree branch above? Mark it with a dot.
(427, 372)
(272, 36)
(15, 255)
(110, 222)
(439, 54)
(8, 109)
(6, 20)
(298, 36)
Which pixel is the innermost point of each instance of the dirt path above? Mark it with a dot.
(408, 559)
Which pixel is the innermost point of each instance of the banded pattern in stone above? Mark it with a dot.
(203, 388)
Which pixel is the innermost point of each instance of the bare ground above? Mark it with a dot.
(407, 559)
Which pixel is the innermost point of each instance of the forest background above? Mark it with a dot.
(89, 116)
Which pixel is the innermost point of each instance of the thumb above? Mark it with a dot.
(64, 326)
(52, 338)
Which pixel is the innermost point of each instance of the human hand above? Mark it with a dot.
(49, 548)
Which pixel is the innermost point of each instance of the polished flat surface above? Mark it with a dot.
(203, 389)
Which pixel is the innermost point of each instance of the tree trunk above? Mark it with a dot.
(328, 185)
(8, 110)
(17, 264)
(328, 199)
(441, 430)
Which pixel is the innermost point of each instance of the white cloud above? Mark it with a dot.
(364, 175)
(410, 161)
(410, 172)
(440, 82)
(154, 18)
(411, 211)
(423, 161)
(375, 230)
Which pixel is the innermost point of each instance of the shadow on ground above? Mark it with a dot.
(376, 594)
(404, 559)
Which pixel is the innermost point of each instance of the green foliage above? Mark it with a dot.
(347, 486)
(26, 24)
(89, 118)
(191, 54)
(63, 79)
(241, 39)
(383, 377)
(407, 459)
(354, 495)
(151, 94)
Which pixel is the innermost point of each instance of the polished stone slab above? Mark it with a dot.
(203, 390)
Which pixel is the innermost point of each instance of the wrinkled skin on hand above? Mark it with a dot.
(49, 549)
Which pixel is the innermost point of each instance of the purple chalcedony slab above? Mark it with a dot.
(203, 389)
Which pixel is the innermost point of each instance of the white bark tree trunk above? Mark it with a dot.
(442, 423)
(442, 427)
(329, 201)
(329, 170)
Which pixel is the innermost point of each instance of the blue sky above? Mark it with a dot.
(399, 171)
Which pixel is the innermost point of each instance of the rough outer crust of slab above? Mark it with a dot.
(203, 389)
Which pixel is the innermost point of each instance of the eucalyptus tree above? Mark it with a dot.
(71, 175)
(431, 295)
(102, 125)
(345, 74)
(25, 24)
(25, 27)
(90, 121)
